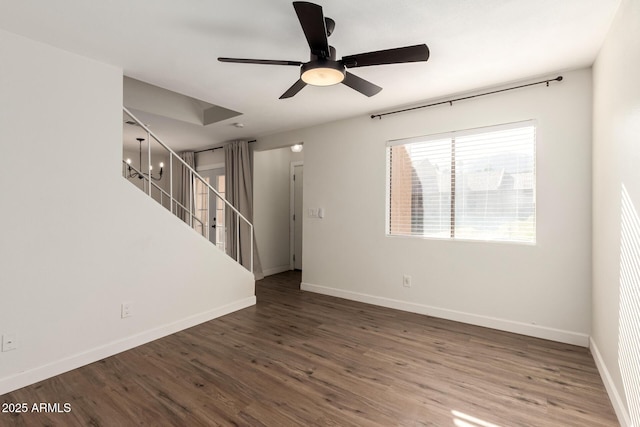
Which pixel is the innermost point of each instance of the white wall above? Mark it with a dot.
(616, 231)
(78, 239)
(542, 290)
(271, 194)
(210, 159)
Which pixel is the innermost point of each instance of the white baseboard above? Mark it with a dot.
(612, 391)
(458, 316)
(58, 367)
(276, 270)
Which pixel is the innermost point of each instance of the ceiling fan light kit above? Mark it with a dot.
(327, 74)
(323, 69)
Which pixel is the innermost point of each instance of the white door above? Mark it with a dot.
(297, 216)
(216, 211)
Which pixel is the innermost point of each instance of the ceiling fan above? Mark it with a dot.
(323, 69)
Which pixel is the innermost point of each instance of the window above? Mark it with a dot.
(220, 212)
(477, 184)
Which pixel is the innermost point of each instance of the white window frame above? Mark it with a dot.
(452, 135)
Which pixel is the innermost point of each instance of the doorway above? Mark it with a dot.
(297, 178)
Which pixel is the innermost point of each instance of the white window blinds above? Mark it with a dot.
(477, 184)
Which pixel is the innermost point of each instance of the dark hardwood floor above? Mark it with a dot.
(299, 358)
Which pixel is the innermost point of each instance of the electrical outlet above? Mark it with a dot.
(406, 281)
(9, 342)
(127, 309)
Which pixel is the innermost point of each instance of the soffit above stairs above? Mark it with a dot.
(162, 102)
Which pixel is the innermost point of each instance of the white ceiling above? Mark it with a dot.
(175, 45)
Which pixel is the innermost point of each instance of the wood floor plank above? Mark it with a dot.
(298, 358)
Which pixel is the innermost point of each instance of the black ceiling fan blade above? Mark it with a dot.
(361, 85)
(297, 87)
(313, 24)
(260, 61)
(389, 56)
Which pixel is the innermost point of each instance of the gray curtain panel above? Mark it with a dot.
(239, 192)
(185, 186)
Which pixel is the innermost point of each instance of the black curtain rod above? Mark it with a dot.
(208, 149)
(450, 102)
(218, 148)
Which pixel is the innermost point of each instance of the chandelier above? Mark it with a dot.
(133, 173)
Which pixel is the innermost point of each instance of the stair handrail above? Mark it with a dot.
(161, 190)
(196, 174)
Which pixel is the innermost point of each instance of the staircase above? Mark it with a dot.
(169, 180)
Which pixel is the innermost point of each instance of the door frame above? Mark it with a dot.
(292, 211)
